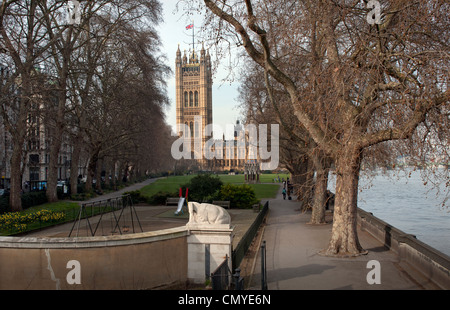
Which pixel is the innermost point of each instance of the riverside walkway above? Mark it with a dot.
(293, 262)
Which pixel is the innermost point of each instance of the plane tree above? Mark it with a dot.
(371, 82)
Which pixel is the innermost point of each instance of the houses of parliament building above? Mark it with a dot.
(194, 112)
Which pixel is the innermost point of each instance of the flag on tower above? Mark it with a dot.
(189, 26)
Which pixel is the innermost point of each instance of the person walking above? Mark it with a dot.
(284, 194)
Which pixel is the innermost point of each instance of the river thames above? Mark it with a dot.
(405, 201)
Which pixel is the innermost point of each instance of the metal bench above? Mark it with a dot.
(223, 204)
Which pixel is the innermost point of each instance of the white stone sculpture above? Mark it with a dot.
(209, 214)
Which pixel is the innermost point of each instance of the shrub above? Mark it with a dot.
(4, 204)
(136, 196)
(160, 198)
(240, 196)
(202, 187)
(33, 199)
(28, 200)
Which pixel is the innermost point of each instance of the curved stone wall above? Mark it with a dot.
(135, 261)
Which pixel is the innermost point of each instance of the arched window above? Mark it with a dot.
(185, 99)
(191, 127)
(186, 127)
(191, 99)
(196, 98)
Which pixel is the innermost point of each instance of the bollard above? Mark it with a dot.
(238, 281)
(263, 267)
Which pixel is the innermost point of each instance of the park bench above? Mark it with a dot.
(172, 201)
(223, 204)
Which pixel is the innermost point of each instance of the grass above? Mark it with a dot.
(265, 191)
(171, 184)
(70, 209)
(59, 206)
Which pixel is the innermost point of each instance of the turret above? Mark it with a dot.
(208, 58)
(202, 55)
(178, 58)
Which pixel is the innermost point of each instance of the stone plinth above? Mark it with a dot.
(208, 245)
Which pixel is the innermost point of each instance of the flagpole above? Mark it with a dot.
(193, 48)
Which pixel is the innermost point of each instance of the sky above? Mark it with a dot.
(173, 32)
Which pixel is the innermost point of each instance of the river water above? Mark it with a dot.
(401, 199)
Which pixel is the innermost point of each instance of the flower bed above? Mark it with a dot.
(16, 222)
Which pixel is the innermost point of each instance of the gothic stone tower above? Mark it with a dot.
(194, 96)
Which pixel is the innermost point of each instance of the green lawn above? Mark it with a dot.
(172, 184)
(169, 184)
(28, 221)
(265, 191)
(59, 206)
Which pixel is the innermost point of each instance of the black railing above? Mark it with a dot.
(238, 280)
(239, 252)
(220, 278)
(263, 266)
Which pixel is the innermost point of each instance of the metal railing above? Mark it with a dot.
(243, 245)
(221, 278)
(263, 266)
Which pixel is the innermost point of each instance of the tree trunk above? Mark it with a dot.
(55, 146)
(15, 200)
(299, 176)
(320, 197)
(344, 238)
(307, 188)
(74, 166)
(98, 175)
(19, 136)
(91, 171)
(52, 179)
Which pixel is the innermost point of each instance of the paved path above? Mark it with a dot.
(130, 188)
(293, 263)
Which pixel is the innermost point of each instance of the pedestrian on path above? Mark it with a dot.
(284, 193)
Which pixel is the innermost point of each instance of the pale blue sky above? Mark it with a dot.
(173, 32)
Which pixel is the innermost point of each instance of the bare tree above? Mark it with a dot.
(101, 108)
(21, 45)
(265, 104)
(373, 83)
(129, 88)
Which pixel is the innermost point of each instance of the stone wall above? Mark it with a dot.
(432, 263)
(136, 261)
